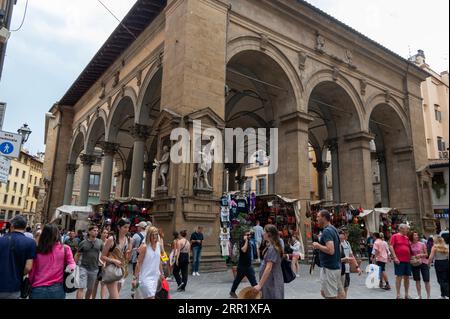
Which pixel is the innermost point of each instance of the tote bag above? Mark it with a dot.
(288, 274)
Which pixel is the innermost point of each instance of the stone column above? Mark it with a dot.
(231, 168)
(126, 183)
(70, 171)
(322, 168)
(381, 159)
(148, 168)
(109, 150)
(87, 161)
(140, 134)
(356, 169)
(333, 147)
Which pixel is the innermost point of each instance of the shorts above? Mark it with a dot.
(403, 269)
(87, 278)
(422, 269)
(331, 283)
(382, 266)
(345, 280)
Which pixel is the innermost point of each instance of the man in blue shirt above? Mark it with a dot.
(196, 244)
(330, 258)
(16, 258)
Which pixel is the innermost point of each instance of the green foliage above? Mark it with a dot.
(354, 237)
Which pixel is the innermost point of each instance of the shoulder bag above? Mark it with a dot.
(25, 285)
(286, 268)
(69, 277)
(112, 273)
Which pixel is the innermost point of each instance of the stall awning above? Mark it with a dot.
(75, 212)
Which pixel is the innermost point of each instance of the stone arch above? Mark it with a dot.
(121, 106)
(380, 99)
(96, 130)
(251, 43)
(153, 75)
(78, 145)
(326, 75)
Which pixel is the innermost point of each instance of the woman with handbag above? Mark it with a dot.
(439, 253)
(149, 266)
(271, 282)
(419, 264)
(346, 258)
(182, 261)
(116, 254)
(52, 258)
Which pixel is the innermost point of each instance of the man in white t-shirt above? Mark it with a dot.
(259, 232)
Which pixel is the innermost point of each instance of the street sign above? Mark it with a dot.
(5, 163)
(10, 144)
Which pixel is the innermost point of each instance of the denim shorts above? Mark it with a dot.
(55, 291)
(403, 269)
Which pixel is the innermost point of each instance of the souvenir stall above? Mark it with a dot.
(73, 217)
(134, 209)
(341, 214)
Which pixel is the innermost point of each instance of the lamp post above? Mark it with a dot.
(25, 132)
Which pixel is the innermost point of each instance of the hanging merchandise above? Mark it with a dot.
(225, 242)
(224, 201)
(225, 215)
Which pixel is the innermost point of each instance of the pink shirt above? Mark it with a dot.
(48, 269)
(420, 248)
(380, 250)
(402, 247)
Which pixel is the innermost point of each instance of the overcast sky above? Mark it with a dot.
(59, 38)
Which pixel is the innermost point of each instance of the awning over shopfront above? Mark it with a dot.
(133, 199)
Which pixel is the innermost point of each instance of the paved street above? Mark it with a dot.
(217, 286)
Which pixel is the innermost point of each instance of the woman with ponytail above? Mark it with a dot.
(117, 251)
(271, 282)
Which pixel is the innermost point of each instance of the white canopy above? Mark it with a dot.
(75, 212)
(372, 218)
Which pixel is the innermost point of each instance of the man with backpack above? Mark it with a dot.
(137, 240)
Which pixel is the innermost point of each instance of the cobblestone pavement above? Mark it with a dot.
(217, 286)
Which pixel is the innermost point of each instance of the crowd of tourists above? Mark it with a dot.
(39, 265)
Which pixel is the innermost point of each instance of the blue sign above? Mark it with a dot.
(6, 148)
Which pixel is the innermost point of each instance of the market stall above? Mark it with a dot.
(73, 217)
(134, 209)
(241, 210)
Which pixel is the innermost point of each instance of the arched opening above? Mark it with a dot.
(335, 116)
(390, 159)
(258, 93)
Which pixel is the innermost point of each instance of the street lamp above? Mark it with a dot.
(25, 132)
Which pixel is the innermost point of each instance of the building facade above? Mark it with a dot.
(6, 10)
(20, 194)
(435, 93)
(278, 64)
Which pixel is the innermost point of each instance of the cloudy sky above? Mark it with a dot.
(59, 37)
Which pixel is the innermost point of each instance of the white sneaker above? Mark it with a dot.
(194, 274)
(197, 274)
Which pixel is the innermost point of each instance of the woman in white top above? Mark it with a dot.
(296, 254)
(149, 268)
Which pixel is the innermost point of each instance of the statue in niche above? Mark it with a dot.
(163, 165)
(203, 169)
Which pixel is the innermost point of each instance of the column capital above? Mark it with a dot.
(359, 136)
(88, 160)
(332, 144)
(109, 148)
(299, 116)
(321, 167)
(140, 132)
(71, 168)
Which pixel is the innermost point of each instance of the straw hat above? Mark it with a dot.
(249, 293)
